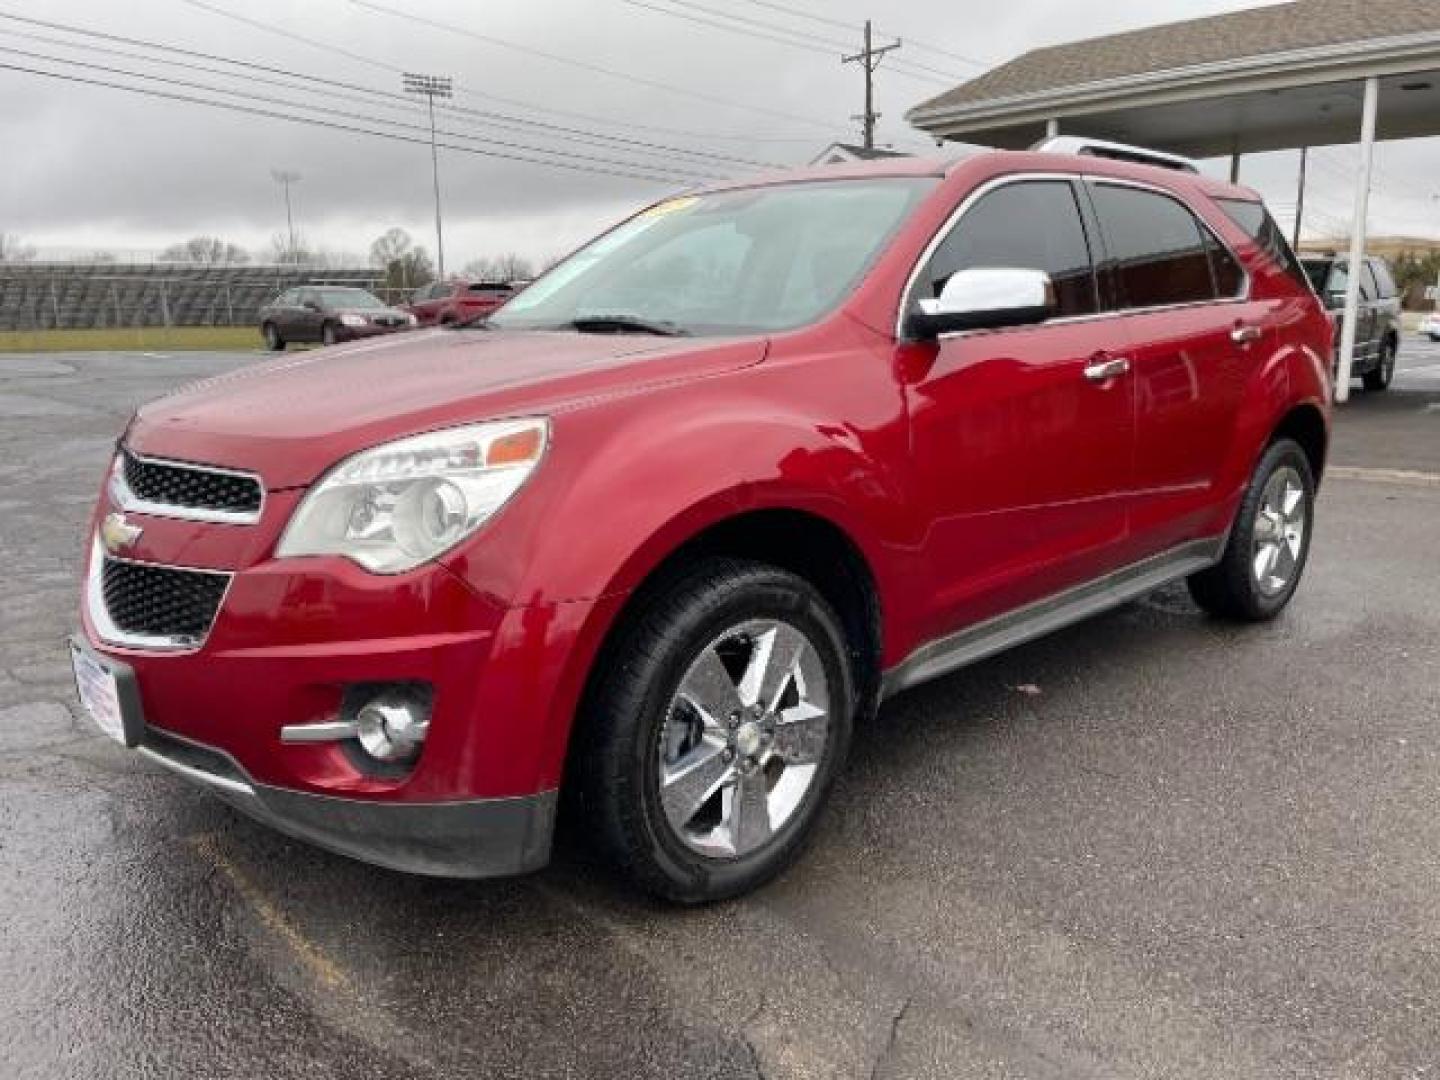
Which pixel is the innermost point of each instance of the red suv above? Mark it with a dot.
(447, 302)
(697, 501)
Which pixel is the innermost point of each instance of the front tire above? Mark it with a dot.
(1379, 379)
(328, 334)
(720, 719)
(1269, 543)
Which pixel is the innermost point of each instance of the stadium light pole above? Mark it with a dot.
(431, 87)
(285, 177)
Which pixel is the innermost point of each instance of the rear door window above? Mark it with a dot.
(1158, 247)
(1029, 225)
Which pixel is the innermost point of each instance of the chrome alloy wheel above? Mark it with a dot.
(1279, 533)
(743, 738)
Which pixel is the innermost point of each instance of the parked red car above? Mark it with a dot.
(753, 462)
(447, 302)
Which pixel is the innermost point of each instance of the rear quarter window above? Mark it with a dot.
(1262, 228)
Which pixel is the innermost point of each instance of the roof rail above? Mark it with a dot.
(1140, 155)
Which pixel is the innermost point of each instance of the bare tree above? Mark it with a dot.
(205, 251)
(281, 250)
(505, 267)
(13, 251)
(406, 265)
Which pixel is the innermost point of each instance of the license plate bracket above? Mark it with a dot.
(109, 693)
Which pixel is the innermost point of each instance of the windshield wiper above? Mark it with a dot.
(621, 324)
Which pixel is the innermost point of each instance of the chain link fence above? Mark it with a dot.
(71, 296)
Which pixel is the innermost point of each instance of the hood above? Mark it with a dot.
(292, 419)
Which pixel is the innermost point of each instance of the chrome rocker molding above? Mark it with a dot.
(475, 838)
(974, 643)
(127, 500)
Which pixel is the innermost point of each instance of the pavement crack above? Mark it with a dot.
(889, 1047)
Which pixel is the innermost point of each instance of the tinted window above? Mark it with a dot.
(1256, 220)
(1033, 225)
(1229, 275)
(1317, 271)
(1157, 245)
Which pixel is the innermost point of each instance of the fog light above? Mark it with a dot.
(391, 727)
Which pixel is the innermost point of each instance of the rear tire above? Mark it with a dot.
(327, 334)
(1269, 542)
(273, 341)
(1384, 372)
(698, 782)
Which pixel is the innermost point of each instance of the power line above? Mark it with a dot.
(622, 169)
(678, 172)
(393, 101)
(740, 25)
(885, 32)
(328, 48)
(582, 65)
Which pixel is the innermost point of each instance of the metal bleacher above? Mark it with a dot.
(52, 295)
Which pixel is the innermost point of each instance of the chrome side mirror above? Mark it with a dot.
(984, 298)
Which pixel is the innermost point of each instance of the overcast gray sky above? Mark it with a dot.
(89, 167)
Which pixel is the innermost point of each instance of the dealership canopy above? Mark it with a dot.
(1288, 76)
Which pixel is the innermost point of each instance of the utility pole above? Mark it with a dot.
(285, 177)
(870, 60)
(431, 87)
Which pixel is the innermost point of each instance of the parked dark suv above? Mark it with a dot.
(327, 314)
(1377, 334)
(656, 534)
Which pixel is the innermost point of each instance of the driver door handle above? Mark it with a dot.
(1245, 333)
(1101, 369)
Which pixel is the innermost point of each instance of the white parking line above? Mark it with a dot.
(1384, 476)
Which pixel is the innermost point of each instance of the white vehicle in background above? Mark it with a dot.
(1430, 326)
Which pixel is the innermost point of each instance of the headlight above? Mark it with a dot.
(393, 507)
(353, 320)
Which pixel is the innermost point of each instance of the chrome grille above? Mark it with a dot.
(145, 601)
(191, 487)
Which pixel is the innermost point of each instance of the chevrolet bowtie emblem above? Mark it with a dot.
(117, 534)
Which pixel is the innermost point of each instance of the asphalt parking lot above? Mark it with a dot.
(1149, 846)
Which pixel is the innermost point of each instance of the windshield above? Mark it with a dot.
(769, 258)
(348, 298)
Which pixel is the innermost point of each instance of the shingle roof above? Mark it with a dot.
(1254, 32)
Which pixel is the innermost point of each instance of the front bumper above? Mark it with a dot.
(476, 838)
(369, 330)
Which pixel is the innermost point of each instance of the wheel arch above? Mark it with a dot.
(1305, 424)
(811, 545)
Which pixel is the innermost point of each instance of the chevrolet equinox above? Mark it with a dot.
(656, 535)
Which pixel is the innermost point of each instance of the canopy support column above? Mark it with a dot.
(1052, 128)
(1300, 196)
(1357, 238)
